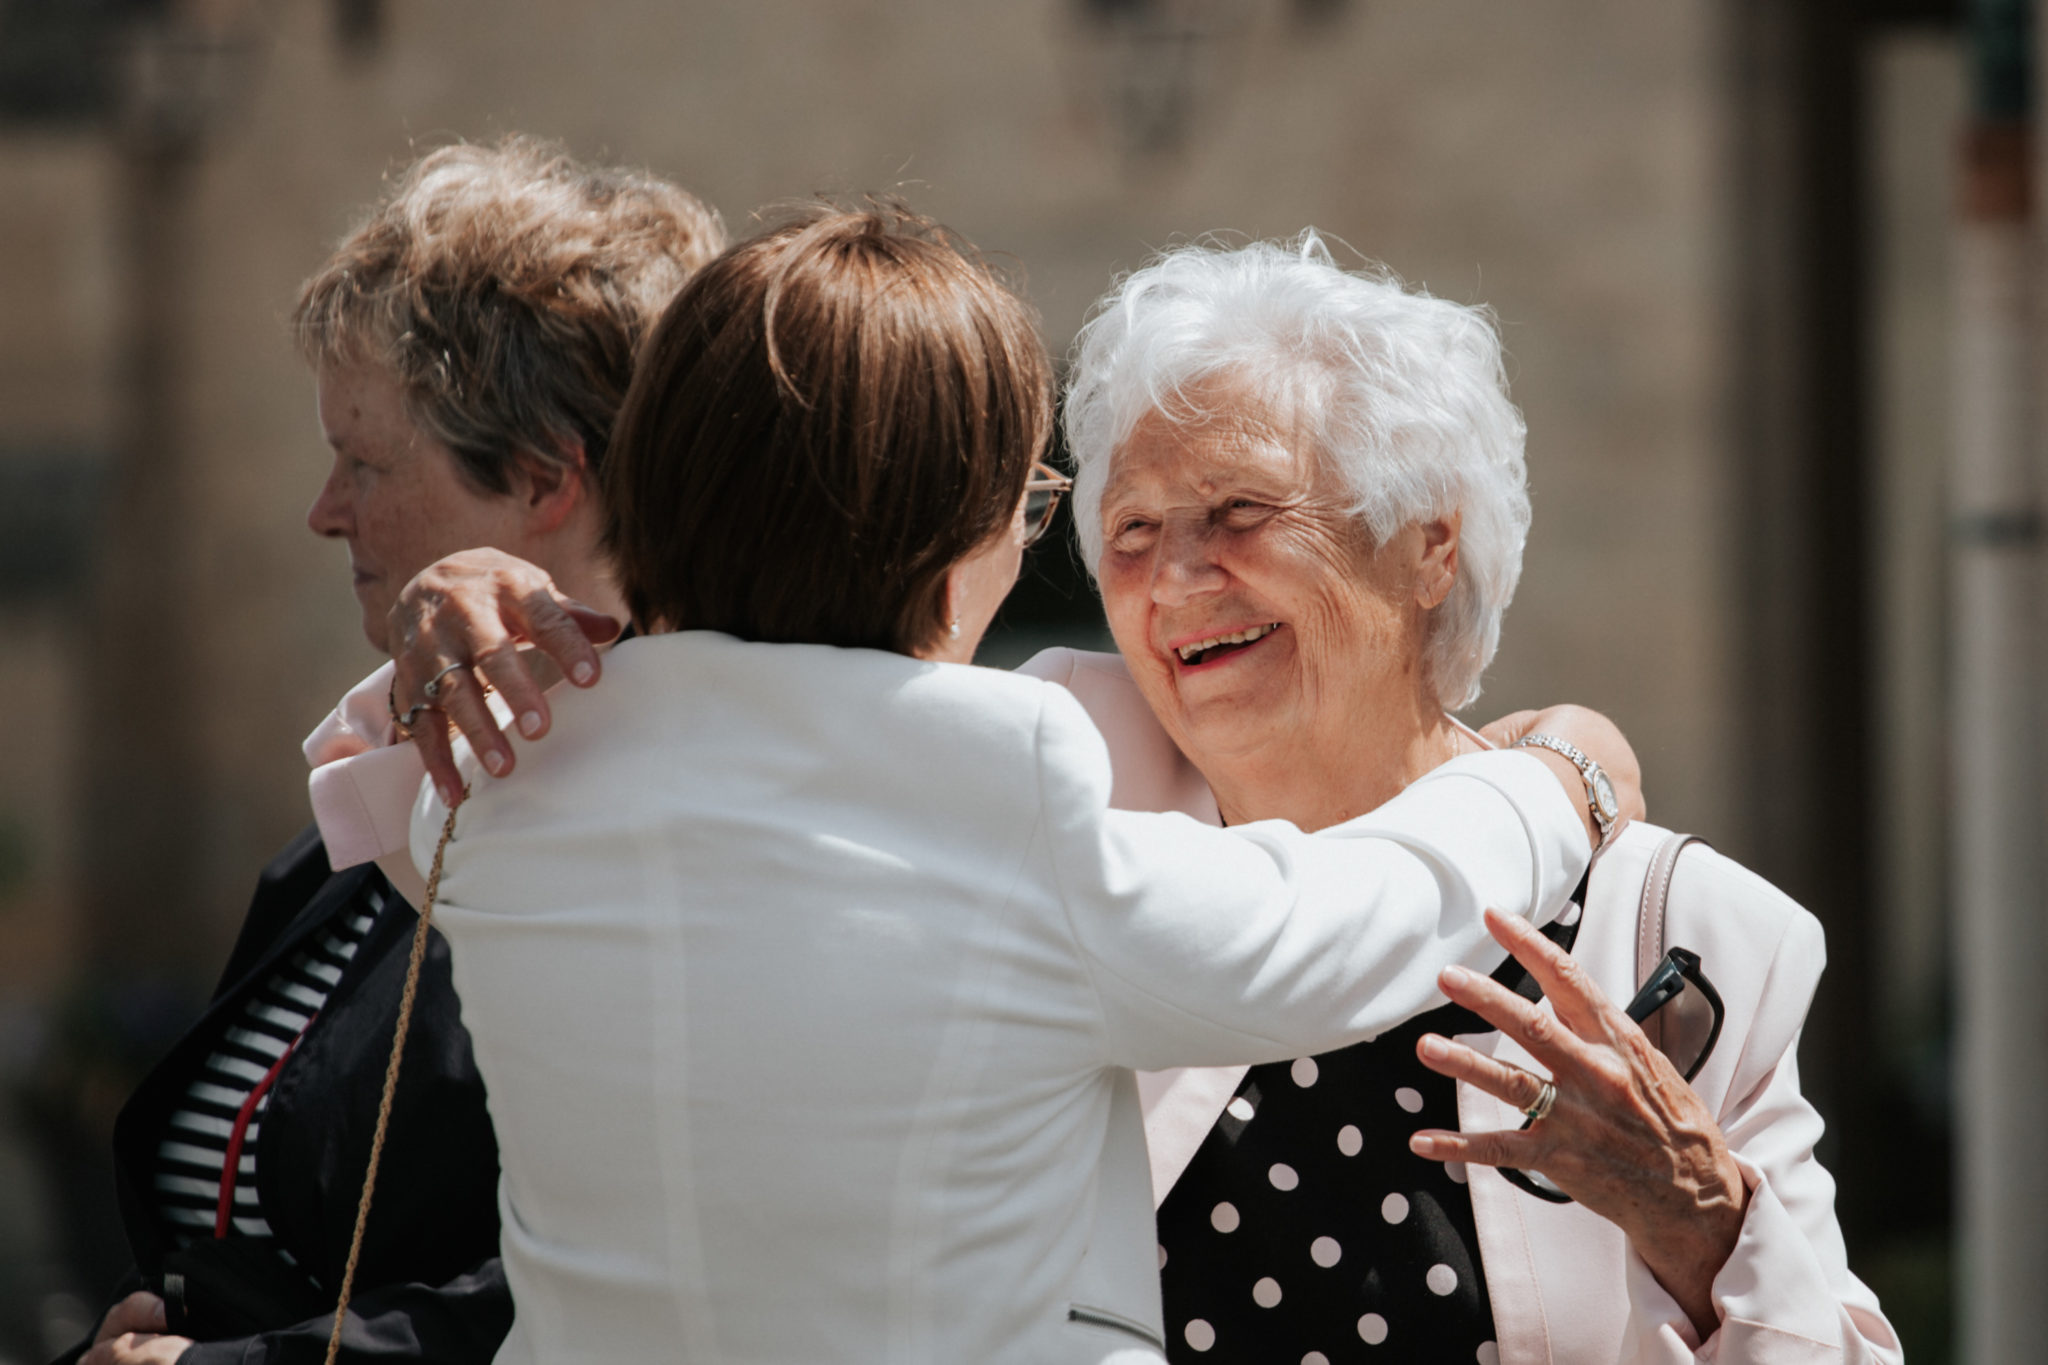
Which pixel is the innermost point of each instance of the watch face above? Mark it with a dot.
(1603, 796)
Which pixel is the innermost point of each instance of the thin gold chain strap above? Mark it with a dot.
(405, 1002)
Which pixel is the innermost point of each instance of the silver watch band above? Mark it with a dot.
(1589, 772)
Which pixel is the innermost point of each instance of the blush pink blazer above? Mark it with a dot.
(1565, 1285)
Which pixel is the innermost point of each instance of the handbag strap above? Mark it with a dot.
(1650, 914)
(405, 1003)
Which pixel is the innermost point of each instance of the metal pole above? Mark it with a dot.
(1996, 714)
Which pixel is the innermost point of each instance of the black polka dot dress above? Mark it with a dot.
(1304, 1230)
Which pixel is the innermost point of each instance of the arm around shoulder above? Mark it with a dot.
(1256, 943)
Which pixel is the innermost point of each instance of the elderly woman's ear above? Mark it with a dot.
(1438, 568)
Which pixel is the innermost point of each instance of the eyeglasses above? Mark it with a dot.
(1042, 492)
(1681, 1013)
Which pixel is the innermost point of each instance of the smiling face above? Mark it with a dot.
(1255, 613)
(395, 494)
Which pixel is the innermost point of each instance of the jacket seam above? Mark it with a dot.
(1749, 1040)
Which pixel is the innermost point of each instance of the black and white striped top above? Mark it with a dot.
(193, 1153)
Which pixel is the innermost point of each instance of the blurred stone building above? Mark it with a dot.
(1713, 232)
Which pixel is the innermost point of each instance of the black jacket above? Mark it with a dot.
(429, 1286)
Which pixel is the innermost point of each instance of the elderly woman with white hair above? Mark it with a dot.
(1303, 494)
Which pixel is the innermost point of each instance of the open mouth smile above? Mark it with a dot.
(1195, 653)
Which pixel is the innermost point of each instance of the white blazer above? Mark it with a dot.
(807, 981)
(1565, 1284)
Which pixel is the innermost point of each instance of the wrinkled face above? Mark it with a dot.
(395, 494)
(1252, 608)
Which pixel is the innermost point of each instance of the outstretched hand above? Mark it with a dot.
(459, 625)
(1626, 1136)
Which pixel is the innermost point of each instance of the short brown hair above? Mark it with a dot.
(507, 288)
(825, 421)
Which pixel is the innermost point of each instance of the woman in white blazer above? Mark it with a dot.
(806, 966)
(1262, 439)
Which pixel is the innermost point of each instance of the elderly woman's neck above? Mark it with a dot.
(1321, 779)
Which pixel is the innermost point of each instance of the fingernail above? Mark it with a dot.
(529, 724)
(583, 673)
(1456, 976)
(1420, 1145)
(495, 761)
(447, 794)
(1434, 1048)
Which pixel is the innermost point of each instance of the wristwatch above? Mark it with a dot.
(1599, 791)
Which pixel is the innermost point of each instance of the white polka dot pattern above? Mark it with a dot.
(1256, 1196)
(1199, 1334)
(1162, 1258)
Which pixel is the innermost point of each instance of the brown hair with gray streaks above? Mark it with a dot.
(507, 288)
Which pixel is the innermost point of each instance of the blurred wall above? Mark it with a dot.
(1557, 161)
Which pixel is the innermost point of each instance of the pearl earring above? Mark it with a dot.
(953, 629)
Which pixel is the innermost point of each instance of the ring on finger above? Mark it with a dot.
(403, 723)
(435, 687)
(1545, 1098)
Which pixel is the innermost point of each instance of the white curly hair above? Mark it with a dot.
(1406, 394)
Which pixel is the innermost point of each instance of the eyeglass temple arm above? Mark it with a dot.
(1665, 983)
